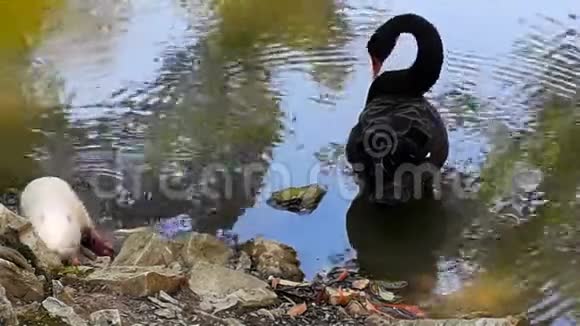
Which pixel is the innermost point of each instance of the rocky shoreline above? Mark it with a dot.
(194, 279)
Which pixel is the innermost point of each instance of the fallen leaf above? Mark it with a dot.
(360, 284)
(387, 295)
(342, 276)
(297, 310)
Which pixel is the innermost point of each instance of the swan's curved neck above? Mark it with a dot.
(424, 72)
(427, 65)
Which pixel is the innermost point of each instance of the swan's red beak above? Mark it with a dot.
(377, 65)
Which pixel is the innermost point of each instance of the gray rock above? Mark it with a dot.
(271, 258)
(244, 262)
(19, 283)
(137, 281)
(205, 247)
(163, 304)
(149, 249)
(61, 292)
(167, 298)
(166, 313)
(212, 281)
(60, 310)
(27, 236)
(57, 287)
(106, 317)
(258, 297)
(15, 257)
(9, 219)
(7, 313)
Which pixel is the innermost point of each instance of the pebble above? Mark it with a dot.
(163, 295)
(166, 313)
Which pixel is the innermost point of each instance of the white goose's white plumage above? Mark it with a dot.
(56, 213)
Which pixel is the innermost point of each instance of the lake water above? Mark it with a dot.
(153, 109)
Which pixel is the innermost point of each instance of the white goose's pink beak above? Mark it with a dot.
(97, 244)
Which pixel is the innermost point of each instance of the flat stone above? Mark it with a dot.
(207, 280)
(138, 281)
(166, 313)
(148, 248)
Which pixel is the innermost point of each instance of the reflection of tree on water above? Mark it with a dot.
(206, 123)
(287, 35)
(22, 26)
(203, 113)
(540, 250)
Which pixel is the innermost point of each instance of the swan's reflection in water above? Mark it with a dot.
(404, 243)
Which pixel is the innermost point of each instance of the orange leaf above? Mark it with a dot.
(297, 310)
(343, 276)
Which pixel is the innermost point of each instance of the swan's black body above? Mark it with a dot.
(398, 128)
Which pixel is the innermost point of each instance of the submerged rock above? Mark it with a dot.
(149, 249)
(137, 281)
(302, 200)
(271, 258)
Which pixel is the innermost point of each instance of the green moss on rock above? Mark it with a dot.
(76, 271)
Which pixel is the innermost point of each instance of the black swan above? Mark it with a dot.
(399, 130)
